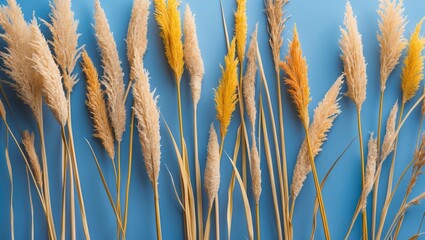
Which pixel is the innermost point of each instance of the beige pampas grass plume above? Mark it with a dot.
(226, 96)
(324, 115)
(192, 55)
(168, 18)
(44, 64)
(295, 67)
(112, 72)
(212, 168)
(412, 72)
(137, 40)
(249, 79)
(17, 57)
(372, 158)
(241, 29)
(353, 59)
(147, 114)
(65, 40)
(97, 106)
(390, 133)
(255, 172)
(391, 38)
(28, 142)
(276, 24)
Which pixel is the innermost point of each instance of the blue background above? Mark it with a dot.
(318, 24)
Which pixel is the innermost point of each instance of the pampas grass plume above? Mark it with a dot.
(249, 79)
(353, 59)
(390, 133)
(225, 95)
(97, 106)
(192, 55)
(391, 38)
(112, 72)
(241, 28)
(295, 67)
(168, 18)
(412, 72)
(324, 115)
(45, 65)
(28, 142)
(372, 157)
(276, 24)
(212, 168)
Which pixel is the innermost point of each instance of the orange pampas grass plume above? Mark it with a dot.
(241, 29)
(226, 95)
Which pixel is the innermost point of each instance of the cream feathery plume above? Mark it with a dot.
(212, 167)
(28, 142)
(168, 18)
(412, 72)
(225, 96)
(276, 24)
(241, 29)
(255, 172)
(324, 115)
(65, 40)
(295, 67)
(192, 55)
(147, 114)
(249, 79)
(390, 133)
(391, 38)
(137, 40)
(372, 158)
(97, 106)
(44, 64)
(16, 59)
(112, 72)
(353, 59)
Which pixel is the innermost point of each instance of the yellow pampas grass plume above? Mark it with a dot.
(168, 18)
(412, 72)
(295, 67)
(97, 106)
(226, 95)
(241, 29)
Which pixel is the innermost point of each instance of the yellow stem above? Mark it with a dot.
(118, 203)
(64, 177)
(198, 174)
(318, 189)
(157, 213)
(376, 184)
(208, 223)
(359, 127)
(257, 213)
(130, 164)
(71, 179)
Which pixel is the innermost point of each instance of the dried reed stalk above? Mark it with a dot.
(97, 106)
(63, 27)
(44, 64)
(324, 115)
(112, 72)
(28, 142)
(295, 66)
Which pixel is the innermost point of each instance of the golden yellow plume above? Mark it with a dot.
(168, 18)
(225, 95)
(412, 75)
(241, 28)
(295, 66)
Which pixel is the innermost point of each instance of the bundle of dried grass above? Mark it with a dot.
(168, 18)
(295, 67)
(372, 158)
(28, 142)
(225, 96)
(390, 133)
(212, 167)
(65, 40)
(241, 28)
(276, 24)
(112, 72)
(324, 115)
(192, 55)
(147, 114)
(391, 38)
(44, 64)
(97, 106)
(137, 33)
(16, 58)
(353, 59)
(412, 72)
